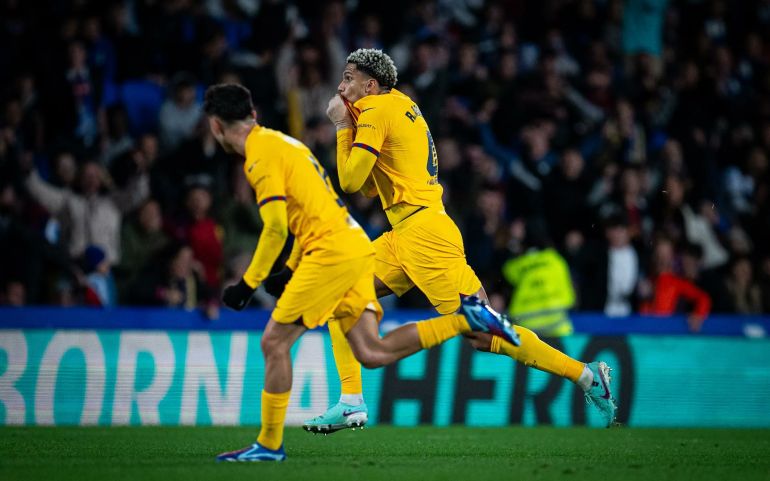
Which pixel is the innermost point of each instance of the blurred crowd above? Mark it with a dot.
(626, 138)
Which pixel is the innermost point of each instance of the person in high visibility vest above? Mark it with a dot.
(543, 291)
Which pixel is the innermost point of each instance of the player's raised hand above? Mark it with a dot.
(338, 113)
(237, 296)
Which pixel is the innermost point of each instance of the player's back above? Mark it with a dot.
(392, 126)
(281, 168)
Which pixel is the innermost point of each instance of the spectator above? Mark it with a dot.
(92, 215)
(240, 219)
(566, 203)
(666, 289)
(117, 141)
(609, 271)
(173, 281)
(485, 235)
(24, 254)
(744, 295)
(100, 287)
(142, 237)
(201, 232)
(13, 294)
(543, 290)
(180, 113)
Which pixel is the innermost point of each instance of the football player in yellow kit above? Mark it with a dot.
(385, 148)
(332, 262)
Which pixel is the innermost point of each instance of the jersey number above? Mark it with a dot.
(326, 180)
(432, 157)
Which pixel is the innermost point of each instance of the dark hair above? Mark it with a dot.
(229, 102)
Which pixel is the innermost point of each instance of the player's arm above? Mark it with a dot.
(268, 180)
(370, 187)
(276, 283)
(271, 242)
(354, 162)
(358, 144)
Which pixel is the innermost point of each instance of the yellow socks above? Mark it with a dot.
(535, 353)
(348, 367)
(435, 331)
(273, 415)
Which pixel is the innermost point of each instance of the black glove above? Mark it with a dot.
(237, 296)
(275, 283)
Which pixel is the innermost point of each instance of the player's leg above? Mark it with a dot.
(433, 257)
(350, 411)
(359, 314)
(277, 340)
(348, 368)
(374, 351)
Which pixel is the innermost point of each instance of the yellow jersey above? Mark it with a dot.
(392, 127)
(281, 168)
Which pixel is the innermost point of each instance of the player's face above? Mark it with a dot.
(218, 131)
(355, 84)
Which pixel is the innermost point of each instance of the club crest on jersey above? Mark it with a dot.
(414, 113)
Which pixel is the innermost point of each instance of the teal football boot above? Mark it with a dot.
(600, 394)
(338, 417)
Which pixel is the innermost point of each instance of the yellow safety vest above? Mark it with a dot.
(543, 294)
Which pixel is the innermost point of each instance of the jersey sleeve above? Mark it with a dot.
(371, 130)
(268, 180)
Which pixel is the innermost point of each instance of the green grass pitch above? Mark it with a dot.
(388, 453)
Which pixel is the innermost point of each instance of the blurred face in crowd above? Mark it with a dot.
(673, 158)
(469, 55)
(185, 96)
(691, 265)
(181, 266)
(198, 202)
(630, 183)
(664, 256)
(572, 164)
(625, 112)
(674, 191)
(148, 145)
(757, 163)
(66, 169)
(15, 294)
(91, 178)
(356, 85)
(509, 66)
(150, 217)
(92, 28)
(617, 236)
(371, 26)
(77, 56)
(13, 113)
(449, 153)
(491, 203)
(7, 199)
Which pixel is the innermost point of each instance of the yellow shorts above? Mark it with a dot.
(426, 250)
(318, 292)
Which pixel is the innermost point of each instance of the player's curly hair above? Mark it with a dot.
(377, 64)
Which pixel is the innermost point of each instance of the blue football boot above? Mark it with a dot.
(254, 453)
(600, 394)
(482, 318)
(338, 417)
